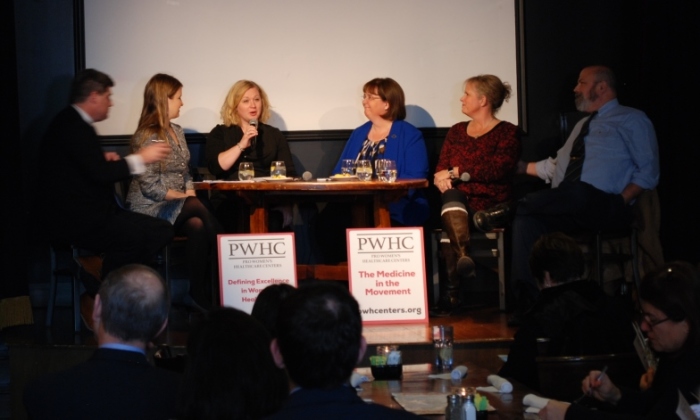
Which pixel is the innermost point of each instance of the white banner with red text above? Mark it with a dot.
(250, 262)
(386, 269)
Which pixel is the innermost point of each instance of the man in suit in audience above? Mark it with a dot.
(319, 341)
(117, 382)
(78, 205)
(609, 159)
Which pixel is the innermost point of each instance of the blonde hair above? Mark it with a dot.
(233, 99)
(154, 114)
(492, 88)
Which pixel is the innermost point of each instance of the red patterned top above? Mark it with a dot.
(490, 159)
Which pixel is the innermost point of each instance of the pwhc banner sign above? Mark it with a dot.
(386, 268)
(250, 262)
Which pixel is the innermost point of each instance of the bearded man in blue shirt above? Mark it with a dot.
(609, 159)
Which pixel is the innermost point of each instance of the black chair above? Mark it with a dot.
(81, 259)
(56, 272)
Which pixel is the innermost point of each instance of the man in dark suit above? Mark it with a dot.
(79, 179)
(319, 341)
(117, 382)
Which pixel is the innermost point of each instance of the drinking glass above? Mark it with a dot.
(442, 342)
(245, 171)
(277, 169)
(364, 170)
(387, 364)
(390, 170)
(380, 169)
(347, 167)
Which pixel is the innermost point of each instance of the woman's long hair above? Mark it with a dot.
(154, 114)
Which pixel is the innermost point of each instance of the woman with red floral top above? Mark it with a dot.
(477, 162)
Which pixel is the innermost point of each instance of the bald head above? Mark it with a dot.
(596, 86)
(134, 303)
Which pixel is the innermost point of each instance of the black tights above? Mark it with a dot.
(200, 227)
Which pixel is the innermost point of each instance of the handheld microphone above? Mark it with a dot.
(253, 123)
(465, 177)
(307, 176)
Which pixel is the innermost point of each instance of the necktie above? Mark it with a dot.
(578, 153)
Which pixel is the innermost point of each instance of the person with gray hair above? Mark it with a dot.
(609, 159)
(117, 382)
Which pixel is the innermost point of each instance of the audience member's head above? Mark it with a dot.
(267, 305)
(670, 300)
(230, 372)
(556, 259)
(319, 336)
(131, 306)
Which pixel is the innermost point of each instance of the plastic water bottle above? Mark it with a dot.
(469, 409)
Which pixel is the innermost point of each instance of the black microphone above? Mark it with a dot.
(307, 176)
(465, 177)
(253, 123)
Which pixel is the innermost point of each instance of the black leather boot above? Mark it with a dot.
(449, 290)
(455, 223)
(496, 217)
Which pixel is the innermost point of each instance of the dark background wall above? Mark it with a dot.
(652, 46)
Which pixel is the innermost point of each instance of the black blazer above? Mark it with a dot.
(76, 180)
(112, 384)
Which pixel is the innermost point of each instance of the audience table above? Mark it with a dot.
(415, 381)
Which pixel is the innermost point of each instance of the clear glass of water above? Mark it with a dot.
(277, 169)
(390, 170)
(442, 343)
(347, 167)
(380, 169)
(246, 171)
(364, 170)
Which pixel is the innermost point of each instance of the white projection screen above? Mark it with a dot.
(311, 56)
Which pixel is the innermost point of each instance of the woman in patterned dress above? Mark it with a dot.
(165, 189)
(474, 172)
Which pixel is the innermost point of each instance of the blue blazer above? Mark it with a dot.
(406, 146)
